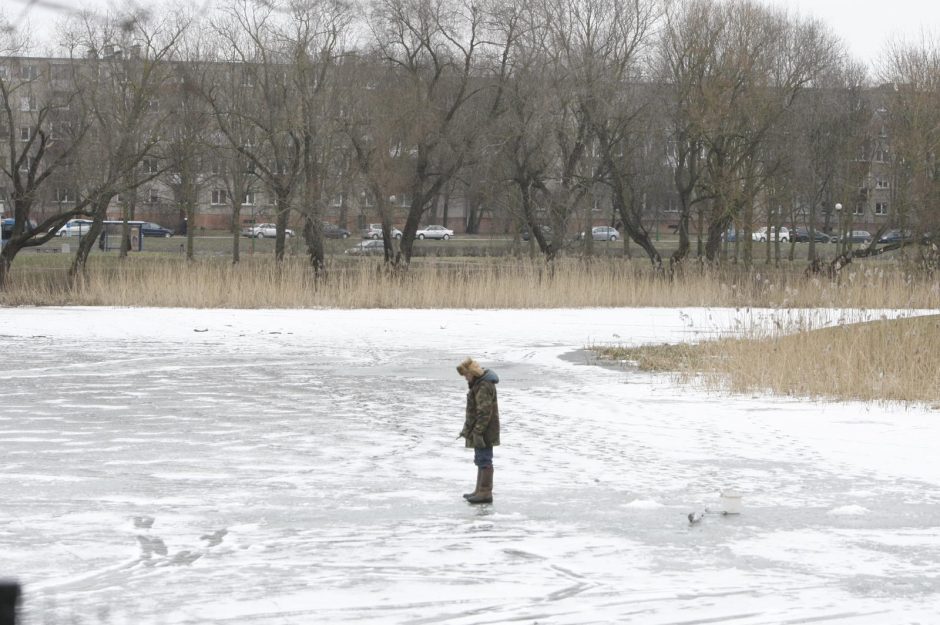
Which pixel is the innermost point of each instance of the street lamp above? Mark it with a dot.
(838, 208)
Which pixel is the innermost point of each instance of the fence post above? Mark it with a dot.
(9, 601)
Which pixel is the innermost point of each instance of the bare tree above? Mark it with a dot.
(314, 39)
(604, 50)
(124, 67)
(436, 51)
(231, 88)
(42, 127)
(186, 135)
(273, 147)
(913, 125)
(818, 146)
(374, 132)
(738, 75)
(684, 68)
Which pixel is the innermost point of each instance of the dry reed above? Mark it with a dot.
(888, 360)
(441, 283)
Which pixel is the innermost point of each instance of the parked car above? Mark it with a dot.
(331, 231)
(761, 235)
(434, 232)
(374, 231)
(801, 235)
(602, 233)
(74, 228)
(150, 229)
(896, 236)
(261, 231)
(546, 232)
(367, 248)
(6, 227)
(730, 235)
(856, 236)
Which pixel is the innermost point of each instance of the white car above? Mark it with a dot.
(434, 232)
(368, 247)
(261, 231)
(74, 228)
(602, 233)
(374, 231)
(761, 235)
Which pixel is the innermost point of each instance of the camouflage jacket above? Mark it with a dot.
(482, 418)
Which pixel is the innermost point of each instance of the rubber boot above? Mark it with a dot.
(476, 488)
(485, 493)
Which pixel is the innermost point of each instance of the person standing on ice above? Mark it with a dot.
(481, 426)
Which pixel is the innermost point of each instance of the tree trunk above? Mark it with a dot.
(282, 203)
(236, 231)
(100, 208)
(406, 248)
(10, 250)
(313, 235)
(189, 205)
(125, 232)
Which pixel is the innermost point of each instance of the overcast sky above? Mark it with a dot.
(865, 25)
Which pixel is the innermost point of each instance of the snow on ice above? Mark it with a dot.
(300, 467)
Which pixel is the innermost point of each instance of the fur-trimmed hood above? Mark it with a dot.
(470, 365)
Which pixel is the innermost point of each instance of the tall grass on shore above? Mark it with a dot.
(458, 283)
(887, 360)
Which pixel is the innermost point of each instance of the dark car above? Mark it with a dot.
(331, 231)
(150, 229)
(856, 236)
(6, 227)
(546, 233)
(896, 236)
(801, 235)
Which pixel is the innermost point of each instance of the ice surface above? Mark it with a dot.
(301, 467)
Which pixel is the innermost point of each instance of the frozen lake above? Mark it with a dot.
(262, 467)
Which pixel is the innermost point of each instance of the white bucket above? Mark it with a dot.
(731, 502)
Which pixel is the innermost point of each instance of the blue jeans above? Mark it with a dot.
(483, 456)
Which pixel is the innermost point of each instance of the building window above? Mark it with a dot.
(881, 156)
(29, 72)
(27, 163)
(367, 199)
(26, 132)
(217, 168)
(27, 103)
(881, 208)
(881, 183)
(153, 197)
(61, 72)
(672, 205)
(218, 196)
(63, 195)
(859, 208)
(151, 166)
(249, 198)
(337, 200)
